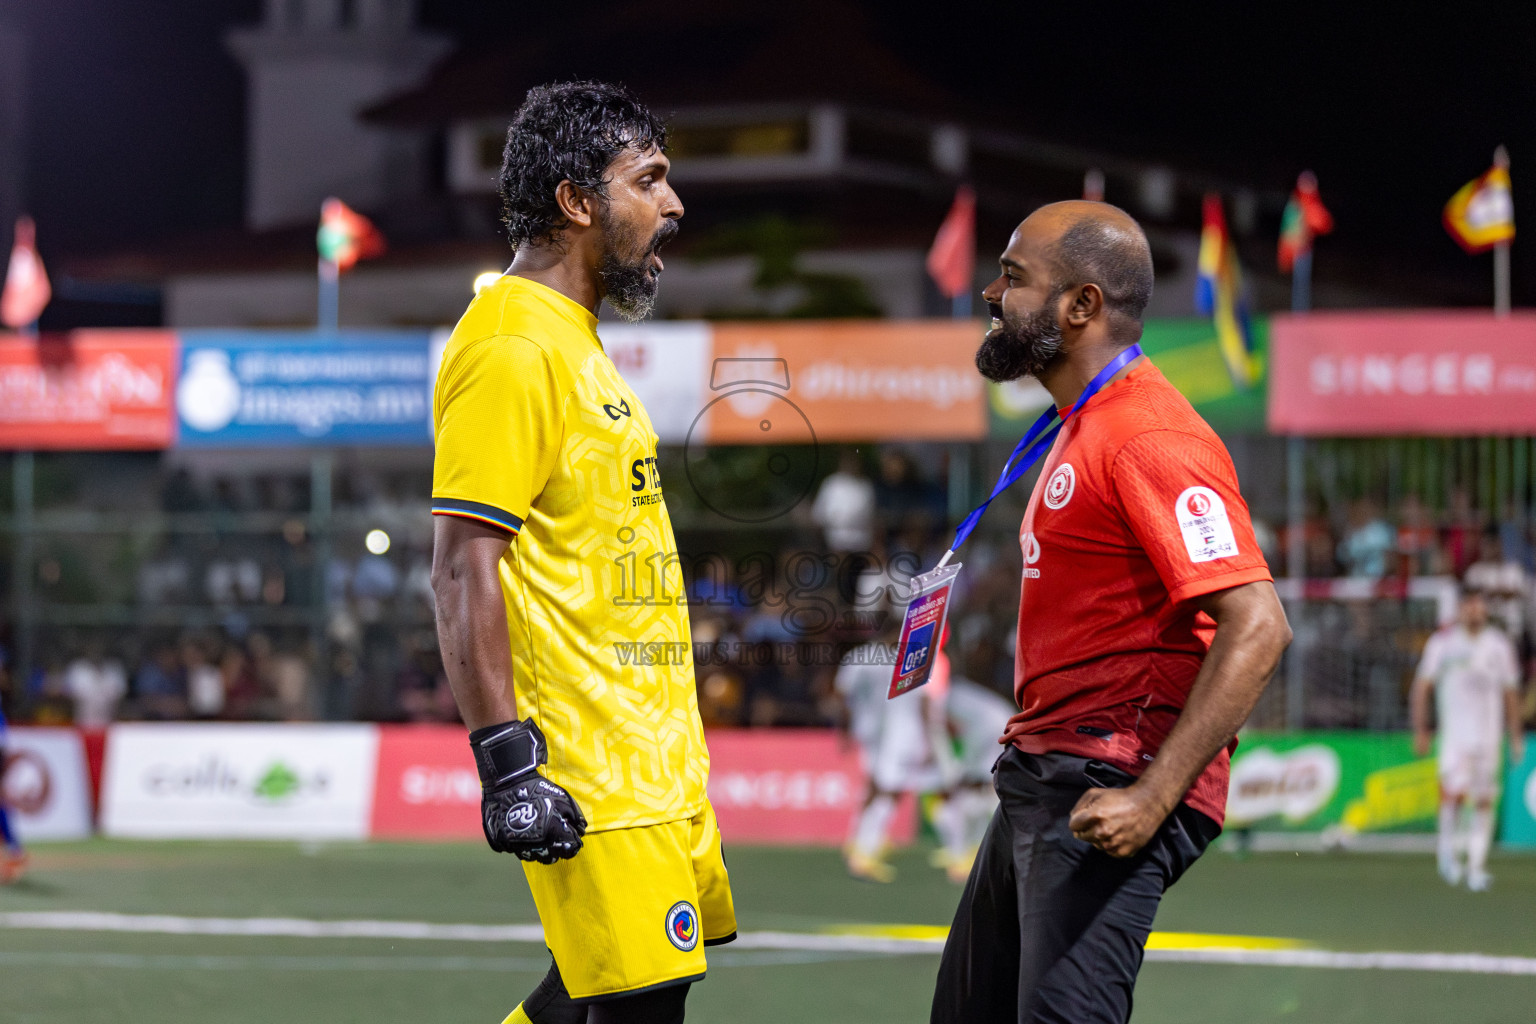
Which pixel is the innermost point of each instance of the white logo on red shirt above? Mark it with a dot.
(1203, 522)
(1031, 547)
(1059, 488)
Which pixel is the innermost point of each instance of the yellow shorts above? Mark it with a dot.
(636, 907)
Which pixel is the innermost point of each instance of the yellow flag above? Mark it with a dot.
(1482, 214)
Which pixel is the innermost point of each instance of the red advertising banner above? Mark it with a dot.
(788, 786)
(425, 786)
(88, 389)
(1419, 373)
(767, 786)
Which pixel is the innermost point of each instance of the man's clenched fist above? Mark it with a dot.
(522, 812)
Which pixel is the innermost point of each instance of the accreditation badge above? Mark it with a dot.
(922, 628)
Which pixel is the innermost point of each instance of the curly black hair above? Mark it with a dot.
(567, 131)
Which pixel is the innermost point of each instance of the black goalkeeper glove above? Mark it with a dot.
(523, 813)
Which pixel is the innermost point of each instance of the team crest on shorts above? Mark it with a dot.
(683, 926)
(1059, 488)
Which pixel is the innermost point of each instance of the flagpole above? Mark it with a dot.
(1296, 513)
(329, 314)
(1501, 254)
(1301, 282)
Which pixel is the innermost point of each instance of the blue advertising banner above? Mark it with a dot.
(267, 388)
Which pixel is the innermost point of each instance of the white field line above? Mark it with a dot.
(1455, 963)
(798, 942)
(258, 962)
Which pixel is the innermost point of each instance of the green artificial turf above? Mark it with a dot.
(1350, 902)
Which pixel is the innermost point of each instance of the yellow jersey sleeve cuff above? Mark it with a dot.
(477, 510)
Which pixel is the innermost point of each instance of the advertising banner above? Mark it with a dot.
(668, 365)
(238, 781)
(1187, 353)
(426, 786)
(792, 382)
(282, 389)
(87, 390)
(788, 786)
(45, 784)
(1312, 781)
(1517, 825)
(1418, 373)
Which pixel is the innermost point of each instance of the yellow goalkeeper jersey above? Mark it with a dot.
(538, 434)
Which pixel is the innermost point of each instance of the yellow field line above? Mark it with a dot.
(1158, 940)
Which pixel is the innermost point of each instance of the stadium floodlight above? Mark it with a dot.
(485, 279)
(377, 542)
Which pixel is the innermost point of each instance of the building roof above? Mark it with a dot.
(788, 51)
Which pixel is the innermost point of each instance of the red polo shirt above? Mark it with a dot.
(1137, 511)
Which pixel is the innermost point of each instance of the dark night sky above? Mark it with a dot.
(136, 109)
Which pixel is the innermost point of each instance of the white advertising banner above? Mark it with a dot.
(46, 785)
(237, 781)
(668, 365)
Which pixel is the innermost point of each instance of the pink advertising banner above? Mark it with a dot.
(1435, 373)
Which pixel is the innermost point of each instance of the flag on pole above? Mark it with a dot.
(346, 236)
(1305, 218)
(1219, 295)
(1481, 214)
(952, 258)
(27, 290)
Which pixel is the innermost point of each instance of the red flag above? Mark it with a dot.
(27, 290)
(952, 259)
(1305, 218)
(346, 236)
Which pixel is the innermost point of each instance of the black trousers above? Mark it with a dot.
(1051, 929)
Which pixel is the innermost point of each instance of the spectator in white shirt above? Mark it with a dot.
(97, 684)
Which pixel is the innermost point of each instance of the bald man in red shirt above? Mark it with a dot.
(1148, 627)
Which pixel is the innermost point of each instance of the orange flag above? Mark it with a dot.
(952, 259)
(27, 290)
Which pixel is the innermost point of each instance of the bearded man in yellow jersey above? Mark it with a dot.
(545, 487)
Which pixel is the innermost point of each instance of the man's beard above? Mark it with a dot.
(1022, 348)
(629, 278)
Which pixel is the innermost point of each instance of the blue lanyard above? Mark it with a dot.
(1036, 441)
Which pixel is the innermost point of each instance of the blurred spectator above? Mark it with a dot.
(1461, 532)
(160, 686)
(96, 684)
(233, 581)
(166, 578)
(242, 689)
(845, 507)
(1418, 543)
(1269, 540)
(904, 497)
(205, 682)
(289, 678)
(1371, 539)
(1503, 582)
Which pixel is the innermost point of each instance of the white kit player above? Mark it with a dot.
(977, 716)
(1473, 669)
(905, 750)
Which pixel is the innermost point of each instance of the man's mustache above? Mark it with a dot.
(664, 234)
